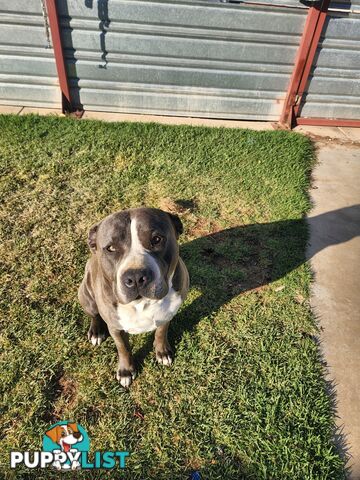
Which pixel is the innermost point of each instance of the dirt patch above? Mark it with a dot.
(63, 395)
(180, 206)
(204, 227)
(69, 389)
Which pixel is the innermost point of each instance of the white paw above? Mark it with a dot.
(57, 465)
(97, 340)
(164, 359)
(75, 465)
(125, 377)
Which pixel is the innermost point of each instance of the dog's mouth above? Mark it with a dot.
(66, 447)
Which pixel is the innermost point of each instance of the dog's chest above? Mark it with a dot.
(146, 315)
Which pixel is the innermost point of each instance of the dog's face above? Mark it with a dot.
(137, 252)
(65, 435)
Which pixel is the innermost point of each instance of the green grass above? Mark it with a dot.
(245, 397)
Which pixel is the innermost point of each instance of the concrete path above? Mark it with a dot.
(335, 256)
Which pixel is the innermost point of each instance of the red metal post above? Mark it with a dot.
(327, 122)
(59, 55)
(303, 61)
(311, 55)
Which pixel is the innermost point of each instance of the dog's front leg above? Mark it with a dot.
(98, 331)
(126, 369)
(162, 347)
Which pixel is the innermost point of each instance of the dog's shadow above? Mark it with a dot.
(227, 263)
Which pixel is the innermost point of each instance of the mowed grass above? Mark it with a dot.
(245, 397)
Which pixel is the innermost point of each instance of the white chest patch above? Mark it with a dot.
(145, 315)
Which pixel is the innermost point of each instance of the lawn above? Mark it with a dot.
(245, 397)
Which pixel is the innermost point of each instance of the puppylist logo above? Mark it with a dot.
(66, 446)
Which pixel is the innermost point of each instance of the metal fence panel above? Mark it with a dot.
(180, 57)
(27, 67)
(198, 58)
(334, 83)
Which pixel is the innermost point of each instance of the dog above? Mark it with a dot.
(66, 436)
(134, 282)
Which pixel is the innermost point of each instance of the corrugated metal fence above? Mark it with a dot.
(27, 67)
(334, 84)
(187, 58)
(191, 58)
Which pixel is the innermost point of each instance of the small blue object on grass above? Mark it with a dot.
(195, 476)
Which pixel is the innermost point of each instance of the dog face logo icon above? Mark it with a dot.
(68, 440)
(65, 435)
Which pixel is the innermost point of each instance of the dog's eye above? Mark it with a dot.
(156, 239)
(111, 248)
(63, 434)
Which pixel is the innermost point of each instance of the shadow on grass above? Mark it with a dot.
(247, 258)
(227, 263)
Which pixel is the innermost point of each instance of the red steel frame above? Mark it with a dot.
(304, 60)
(321, 14)
(287, 114)
(59, 56)
(328, 122)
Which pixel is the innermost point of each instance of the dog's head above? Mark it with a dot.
(137, 252)
(65, 435)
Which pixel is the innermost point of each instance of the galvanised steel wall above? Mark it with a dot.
(28, 74)
(188, 58)
(334, 84)
(193, 58)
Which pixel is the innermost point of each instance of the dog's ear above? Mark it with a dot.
(53, 433)
(177, 224)
(73, 427)
(92, 237)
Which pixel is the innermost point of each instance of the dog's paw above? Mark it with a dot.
(164, 357)
(57, 465)
(125, 377)
(97, 333)
(75, 465)
(96, 339)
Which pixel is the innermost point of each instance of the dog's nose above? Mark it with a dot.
(77, 434)
(137, 278)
